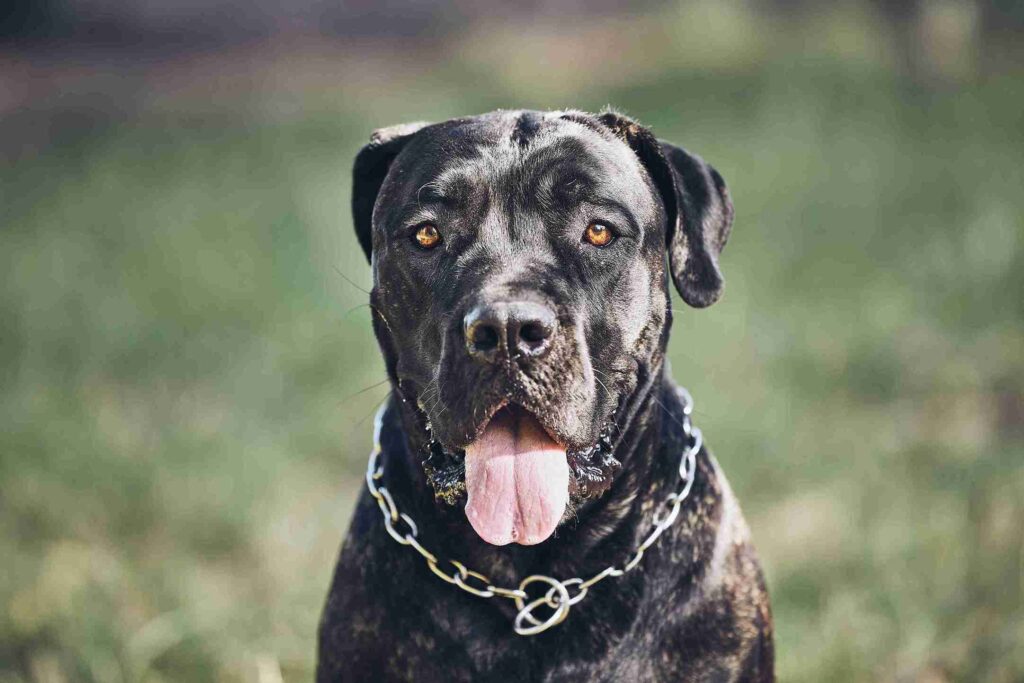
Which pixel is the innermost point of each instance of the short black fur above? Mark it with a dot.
(511, 193)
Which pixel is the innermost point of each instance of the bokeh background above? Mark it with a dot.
(187, 370)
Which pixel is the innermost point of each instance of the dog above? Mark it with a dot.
(556, 515)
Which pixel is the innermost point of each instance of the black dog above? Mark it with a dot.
(521, 302)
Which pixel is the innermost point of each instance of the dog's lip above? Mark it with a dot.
(488, 416)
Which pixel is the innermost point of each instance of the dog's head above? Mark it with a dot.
(520, 295)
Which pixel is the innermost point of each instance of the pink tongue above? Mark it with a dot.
(517, 479)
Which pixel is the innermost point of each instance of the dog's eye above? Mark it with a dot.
(427, 236)
(598, 234)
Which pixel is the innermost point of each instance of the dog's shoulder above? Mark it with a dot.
(724, 629)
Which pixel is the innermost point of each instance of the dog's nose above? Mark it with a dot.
(515, 328)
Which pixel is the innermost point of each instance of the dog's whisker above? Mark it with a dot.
(432, 389)
(428, 394)
(667, 411)
(364, 390)
(429, 399)
(376, 406)
(610, 379)
(351, 281)
(431, 184)
(438, 402)
(367, 304)
(432, 403)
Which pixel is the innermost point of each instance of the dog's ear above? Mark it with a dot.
(697, 205)
(368, 173)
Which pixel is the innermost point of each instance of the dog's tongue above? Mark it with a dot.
(517, 479)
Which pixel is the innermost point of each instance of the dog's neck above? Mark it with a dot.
(601, 530)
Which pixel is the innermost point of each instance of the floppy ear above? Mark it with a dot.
(368, 173)
(697, 205)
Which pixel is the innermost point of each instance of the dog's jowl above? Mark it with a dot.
(540, 506)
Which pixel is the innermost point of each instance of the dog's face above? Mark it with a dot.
(520, 295)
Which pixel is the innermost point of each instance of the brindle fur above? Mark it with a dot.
(696, 608)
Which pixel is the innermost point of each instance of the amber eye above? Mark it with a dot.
(599, 235)
(427, 236)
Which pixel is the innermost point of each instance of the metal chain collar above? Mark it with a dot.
(558, 597)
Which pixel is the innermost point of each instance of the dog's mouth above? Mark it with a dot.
(518, 482)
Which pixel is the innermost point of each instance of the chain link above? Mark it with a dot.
(557, 598)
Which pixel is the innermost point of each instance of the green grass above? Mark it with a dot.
(181, 445)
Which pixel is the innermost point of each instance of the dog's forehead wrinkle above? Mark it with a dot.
(554, 147)
(455, 181)
(501, 239)
(536, 186)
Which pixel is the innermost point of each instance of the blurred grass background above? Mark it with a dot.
(182, 341)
